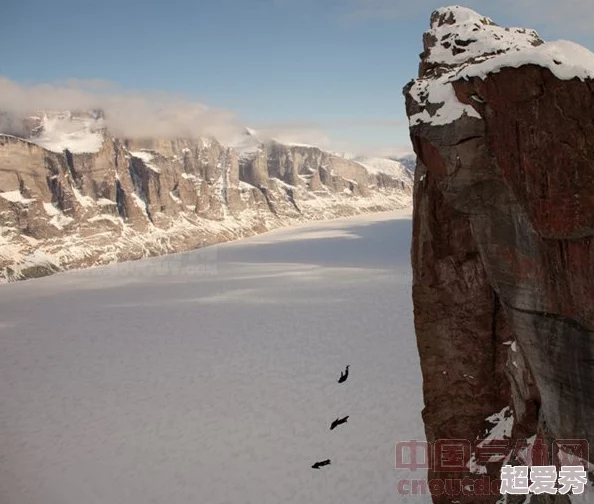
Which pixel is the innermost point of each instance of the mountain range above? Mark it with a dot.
(74, 195)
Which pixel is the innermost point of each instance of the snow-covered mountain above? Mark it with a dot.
(77, 132)
(74, 195)
(391, 167)
(409, 161)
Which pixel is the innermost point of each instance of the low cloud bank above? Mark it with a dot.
(127, 114)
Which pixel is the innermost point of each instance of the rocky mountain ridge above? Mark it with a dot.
(503, 127)
(72, 195)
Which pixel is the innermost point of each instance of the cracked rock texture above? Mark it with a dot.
(502, 253)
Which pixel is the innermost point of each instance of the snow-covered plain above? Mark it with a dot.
(209, 377)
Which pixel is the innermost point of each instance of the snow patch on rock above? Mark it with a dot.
(463, 44)
(392, 168)
(79, 135)
(147, 157)
(16, 197)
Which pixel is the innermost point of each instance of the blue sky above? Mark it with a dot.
(327, 68)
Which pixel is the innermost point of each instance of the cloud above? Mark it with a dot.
(140, 115)
(566, 17)
(339, 123)
(388, 151)
(127, 114)
(344, 135)
(361, 149)
(386, 9)
(296, 133)
(560, 19)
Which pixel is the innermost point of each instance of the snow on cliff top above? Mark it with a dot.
(77, 134)
(566, 60)
(295, 144)
(465, 44)
(251, 141)
(389, 167)
(246, 144)
(462, 34)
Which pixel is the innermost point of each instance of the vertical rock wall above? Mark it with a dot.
(502, 239)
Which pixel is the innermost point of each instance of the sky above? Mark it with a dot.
(327, 72)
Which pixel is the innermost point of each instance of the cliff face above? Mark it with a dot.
(503, 127)
(78, 197)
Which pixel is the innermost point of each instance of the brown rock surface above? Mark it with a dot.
(502, 243)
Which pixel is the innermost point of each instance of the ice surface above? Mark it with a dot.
(159, 381)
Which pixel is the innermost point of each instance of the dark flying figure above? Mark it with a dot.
(344, 376)
(317, 465)
(338, 422)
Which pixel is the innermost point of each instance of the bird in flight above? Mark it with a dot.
(344, 376)
(317, 465)
(338, 421)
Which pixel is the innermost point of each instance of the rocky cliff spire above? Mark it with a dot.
(502, 254)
